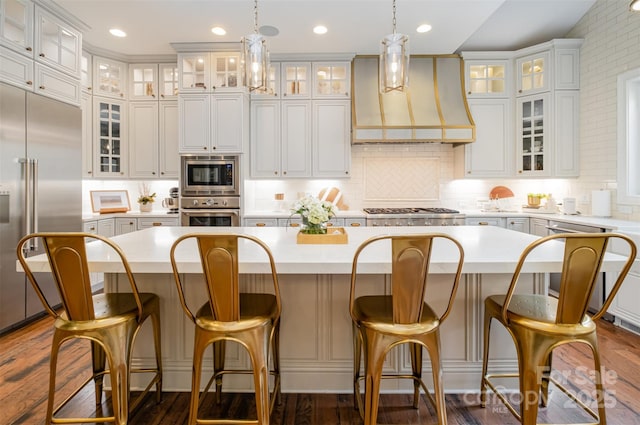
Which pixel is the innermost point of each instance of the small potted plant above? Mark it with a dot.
(315, 214)
(146, 199)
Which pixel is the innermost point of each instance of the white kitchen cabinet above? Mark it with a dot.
(538, 226)
(143, 137)
(331, 80)
(296, 80)
(168, 81)
(491, 155)
(16, 69)
(57, 43)
(86, 106)
(625, 306)
(566, 133)
(125, 225)
(16, 26)
(146, 222)
(260, 222)
(520, 224)
(109, 78)
(103, 227)
(168, 140)
(533, 73)
(143, 81)
(86, 72)
(485, 221)
(153, 135)
(487, 78)
(280, 139)
(331, 140)
(57, 85)
(208, 72)
(110, 137)
(534, 143)
(211, 123)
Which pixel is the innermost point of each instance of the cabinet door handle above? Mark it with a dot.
(355, 224)
(155, 223)
(294, 224)
(483, 223)
(260, 224)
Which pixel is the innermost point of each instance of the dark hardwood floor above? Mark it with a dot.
(24, 363)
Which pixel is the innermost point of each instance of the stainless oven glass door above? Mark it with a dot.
(209, 218)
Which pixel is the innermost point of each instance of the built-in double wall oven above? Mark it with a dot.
(210, 190)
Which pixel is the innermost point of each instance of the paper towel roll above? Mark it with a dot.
(601, 203)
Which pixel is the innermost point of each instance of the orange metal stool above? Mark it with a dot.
(381, 322)
(250, 319)
(540, 323)
(110, 321)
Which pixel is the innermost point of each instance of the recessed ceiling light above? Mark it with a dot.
(320, 29)
(218, 31)
(424, 28)
(268, 31)
(117, 32)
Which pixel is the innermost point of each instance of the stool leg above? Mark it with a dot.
(258, 346)
(600, 392)
(276, 359)
(98, 361)
(544, 388)
(53, 364)
(432, 341)
(218, 366)
(485, 360)
(531, 359)
(374, 358)
(416, 366)
(357, 355)
(155, 320)
(199, 345)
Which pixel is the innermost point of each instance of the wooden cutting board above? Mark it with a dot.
(333, 195)
(500, 192)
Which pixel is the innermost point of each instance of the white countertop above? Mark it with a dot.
(488, 249)
(160, 213)
(287, 214)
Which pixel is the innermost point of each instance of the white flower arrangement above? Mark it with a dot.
(314, 212)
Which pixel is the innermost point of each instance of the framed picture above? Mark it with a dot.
(105, 201)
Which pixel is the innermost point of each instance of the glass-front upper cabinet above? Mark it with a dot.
(143, 81)
(533, 73)
(57, 44)
(194, 72)
(296, 79)
(110, 137)
(16, 25)
(86, 72)
(168, 81)
(331, 80)
(109, 77)
(534, 147)
(226, 72)
(487, 78)
(273, 85)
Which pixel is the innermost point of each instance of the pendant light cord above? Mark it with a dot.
(255, 16)
(394, 16)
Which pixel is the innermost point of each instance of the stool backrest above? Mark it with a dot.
(67, 255)
(219, 259)
(410, 259)
(583, 255)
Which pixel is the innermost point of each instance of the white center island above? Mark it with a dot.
(316, 341)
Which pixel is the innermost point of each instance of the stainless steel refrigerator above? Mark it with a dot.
(40, 188)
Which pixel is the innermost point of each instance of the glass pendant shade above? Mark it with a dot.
(394, 63)
(256, 61)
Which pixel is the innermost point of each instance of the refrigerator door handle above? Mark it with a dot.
(29, 198)
(34, 201)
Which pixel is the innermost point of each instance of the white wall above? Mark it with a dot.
(611, 46)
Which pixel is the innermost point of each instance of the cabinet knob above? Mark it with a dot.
(89, 88)
(162, 173)
(284, 173)
(29, 49)
(153, 173)
(41, 55)
(162, 96)
(88, 172)
(275, 173)
(205, 148)
(29, 83)
(520, 91)
(41, 87)
(468, 92)
(346, 172)
(519, 171)
(121, 94)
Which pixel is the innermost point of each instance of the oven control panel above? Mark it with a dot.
(209, 202)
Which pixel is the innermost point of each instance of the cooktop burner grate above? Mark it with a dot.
(409, 211)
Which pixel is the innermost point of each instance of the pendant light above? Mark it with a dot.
(635, 6)
(255, 57)
(394, 60)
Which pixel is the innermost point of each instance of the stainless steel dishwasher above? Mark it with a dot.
(599, 293)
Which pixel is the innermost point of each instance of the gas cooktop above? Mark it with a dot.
(410, 211)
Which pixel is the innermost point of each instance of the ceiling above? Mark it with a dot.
(354, 26)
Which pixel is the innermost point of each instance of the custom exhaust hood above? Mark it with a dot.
(434, 109)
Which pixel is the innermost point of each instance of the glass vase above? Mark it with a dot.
(313, 228)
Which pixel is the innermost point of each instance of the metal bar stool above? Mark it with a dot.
(381, 322)
(540, 323)
(110, 321)
(250, 319)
